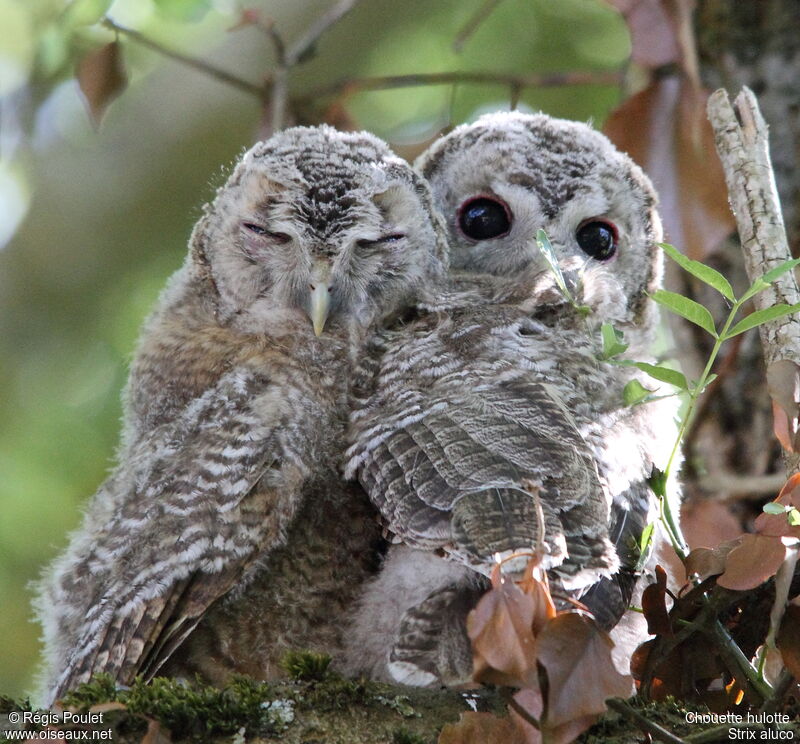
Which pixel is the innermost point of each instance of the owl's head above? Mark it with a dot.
(318, 226)
(501, 179)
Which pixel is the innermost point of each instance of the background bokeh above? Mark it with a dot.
(92, 222)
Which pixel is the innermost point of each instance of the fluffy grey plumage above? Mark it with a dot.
(235, 413)
(499, 400)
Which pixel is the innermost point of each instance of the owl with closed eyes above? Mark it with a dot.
(494, 426)
(225, 535)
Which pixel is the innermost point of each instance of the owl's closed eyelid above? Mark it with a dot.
(391, 237)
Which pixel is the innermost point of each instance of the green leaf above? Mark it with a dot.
(87, 12)
(686, 308)
(774, 508)
(759, 285)
(708, 381)
(704, 273)
(634, 392)
(612, 341)
(658, 482)
(765, 280)
(644, 545)
(793, 517)
(183, 10)
(779, 270)
(663, 374)
(546, 247)
(759, 317)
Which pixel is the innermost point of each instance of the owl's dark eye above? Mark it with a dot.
(484, 217)
(598, 238)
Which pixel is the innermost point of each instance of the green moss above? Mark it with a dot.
(306, 665)
(326, 710)
(102, 689)
(7, 705)
(404, 736)
(196, 712)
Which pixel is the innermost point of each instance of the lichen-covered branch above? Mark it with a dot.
(741, 139)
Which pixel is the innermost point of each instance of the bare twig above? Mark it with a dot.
(783, 581)
(746, 675)
(474, 22)
(737, 485)
(197, 64)
(780, 689)
(521, 712)
(289, 57)
(649, 727)
(740, 134)
(555, 79)
(300, 49)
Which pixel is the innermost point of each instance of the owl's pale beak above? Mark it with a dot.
(319, 305)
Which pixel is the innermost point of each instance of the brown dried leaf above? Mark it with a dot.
(688, 668)
(788, 638)
(544, 608)
(501, 630)
(665, 130)
(481, 728)
(783, 384)
(773, 662)
(654, 38)
(581, 674)
(752, 562)
(101, 76)
(777, 525)
(783, 429)
(708, 523)
(654, 605)
(531, 702)
(707, 562)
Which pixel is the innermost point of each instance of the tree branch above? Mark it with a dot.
(299, 52)
(547, 80)
(197, 64)
(649, 727)
(474, 22)
(740, 134)
(739, 485)
(301, 48)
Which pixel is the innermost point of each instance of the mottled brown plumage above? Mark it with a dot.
(235, 414)
(502, 399)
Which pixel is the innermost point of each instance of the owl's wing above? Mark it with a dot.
(497, 469)
(432, 645)
(193, 508)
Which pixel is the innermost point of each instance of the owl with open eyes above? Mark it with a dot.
(494, 425)
(225, 535)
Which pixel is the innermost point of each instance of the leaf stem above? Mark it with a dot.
(673, 530)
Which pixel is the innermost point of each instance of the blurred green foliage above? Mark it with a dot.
(97, 221)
